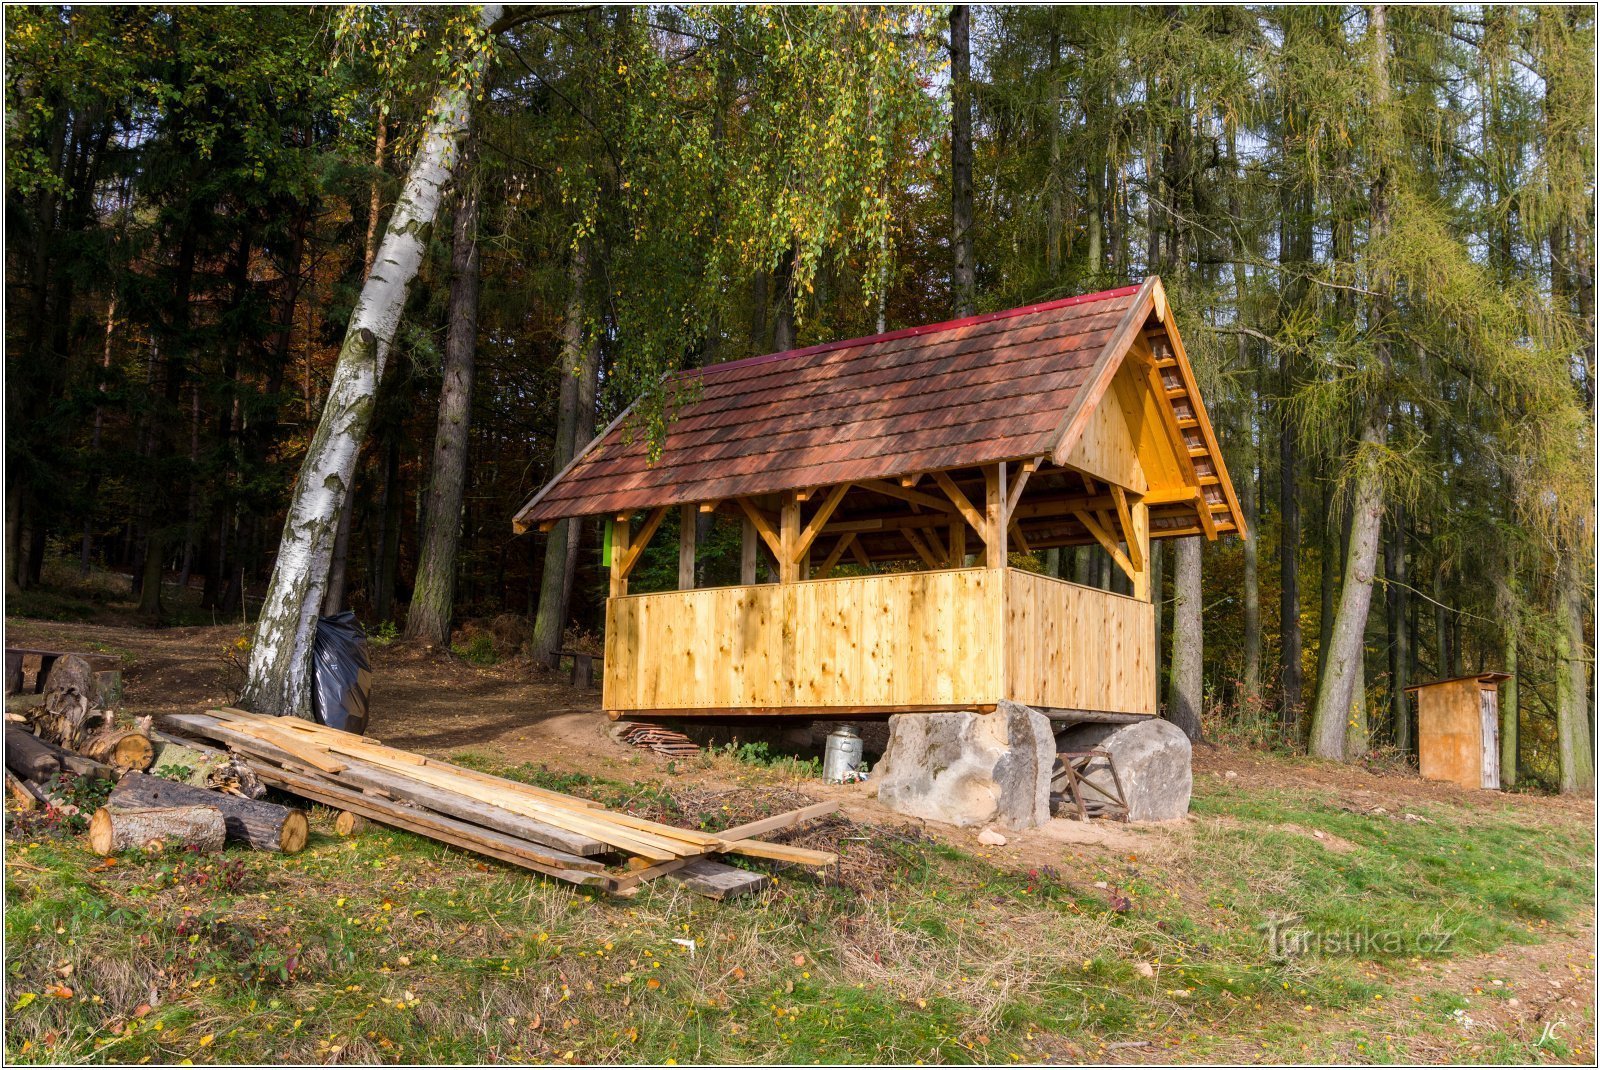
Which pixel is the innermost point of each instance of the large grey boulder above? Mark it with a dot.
(970, 768)
(1153, 760)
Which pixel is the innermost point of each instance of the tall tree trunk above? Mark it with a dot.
(963, 273)
(1394, 557)
(1251, 698)
(279, 679)
(783, 314)
(1158, 595)
(428, 617)
(1053, 220)
(1291, 672)
(578, 362)
(1185, 692)
(1574, 742)
(1506, 608)
(1335, 540)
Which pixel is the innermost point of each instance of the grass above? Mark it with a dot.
(390, 948)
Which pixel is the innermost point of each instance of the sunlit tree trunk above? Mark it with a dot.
(428, 617)
(1185, 690)
(1506, 608)
(279, 679)
(1575, 746)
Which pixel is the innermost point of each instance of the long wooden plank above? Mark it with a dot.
(446, 830)
(590, 822)
(962, 503)
(775, 823)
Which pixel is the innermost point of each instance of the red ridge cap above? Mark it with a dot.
(912, 332)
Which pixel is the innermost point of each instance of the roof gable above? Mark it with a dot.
(1002, 386)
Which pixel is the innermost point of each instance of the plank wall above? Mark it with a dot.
(1080, 648)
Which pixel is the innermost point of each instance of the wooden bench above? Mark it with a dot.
(582, 667)
(107, 667)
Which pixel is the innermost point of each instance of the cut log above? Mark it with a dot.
(19, 794)
(263, 825)
(19, 738)
(115, 828)
(350, 824)
(121, 748)
(29, 756)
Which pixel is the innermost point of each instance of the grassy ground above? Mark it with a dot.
(390, 948)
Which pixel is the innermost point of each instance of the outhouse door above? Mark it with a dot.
(1489, 710)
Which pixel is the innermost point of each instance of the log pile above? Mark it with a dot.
(547, 832)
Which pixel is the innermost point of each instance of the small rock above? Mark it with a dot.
(1230, 775)
(1319, 834)
(1145, 969)
(1103, 884)
(1513, 1002)
(992, 838)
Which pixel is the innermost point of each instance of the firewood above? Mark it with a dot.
(18, 793)
(121, 748)
(263, 825)
(349, 824)
(155, 828)
(66, 761)
(29, 756)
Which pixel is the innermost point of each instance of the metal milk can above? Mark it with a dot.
(842, 756)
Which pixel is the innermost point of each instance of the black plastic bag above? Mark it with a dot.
(341, 673)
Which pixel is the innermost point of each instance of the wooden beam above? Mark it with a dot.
(833, 555)
(938, 548)
(1027, 470)
(1110, 546)
(920, 547)
(619, 551)
(860, 554)
(764, 526)
(789, 539)
(959, 500)
(820, 520)
(994, 520)
(709, 507)
(894, 490)
(1125, 521)
(686, 519)
(958, 543)
(1016, 534)
(1171, 495)
(911, 480)
(637, 545)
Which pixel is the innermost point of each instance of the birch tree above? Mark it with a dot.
(279, 680)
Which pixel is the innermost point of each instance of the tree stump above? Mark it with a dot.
(349, 824)
(155, 828)
(69, 712)
(263, 825)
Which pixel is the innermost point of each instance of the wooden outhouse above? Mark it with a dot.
(891, 480)
(1458, 729)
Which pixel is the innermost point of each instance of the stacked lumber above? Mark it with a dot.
(661, 740)
(547, 832)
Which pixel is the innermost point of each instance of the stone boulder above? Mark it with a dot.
(969, 768)
(1153, 760)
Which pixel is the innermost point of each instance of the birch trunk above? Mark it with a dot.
(279, 681)
(432, 603)
(1185, 689)
(1344, 661)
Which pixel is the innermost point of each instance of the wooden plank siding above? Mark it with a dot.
(1072, 647)
(953, 638)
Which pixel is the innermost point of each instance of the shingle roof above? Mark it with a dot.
(967, 392)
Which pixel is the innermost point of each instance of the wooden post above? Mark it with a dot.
(619, 551)
(958, 543)
(1141, 534)
(686, 519)
(994, 516)
(789, 538)
(747, 553)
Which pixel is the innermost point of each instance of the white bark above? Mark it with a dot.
(280, 665)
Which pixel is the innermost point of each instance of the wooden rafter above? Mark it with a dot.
(820, 520)
(640, 541)
(1109, 544)
(859, 552)
(1125, 521)
(764, 527)
(940, 552)
(1016, 534)
(920, 547)
(837, 552)
(894, 490)
(1023, 473)
(959, 501)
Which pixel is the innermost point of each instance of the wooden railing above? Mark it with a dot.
(901, 641)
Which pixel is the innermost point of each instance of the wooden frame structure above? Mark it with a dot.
(920, 462)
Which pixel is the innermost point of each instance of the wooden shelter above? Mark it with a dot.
(919, 462)
(1458, 729)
